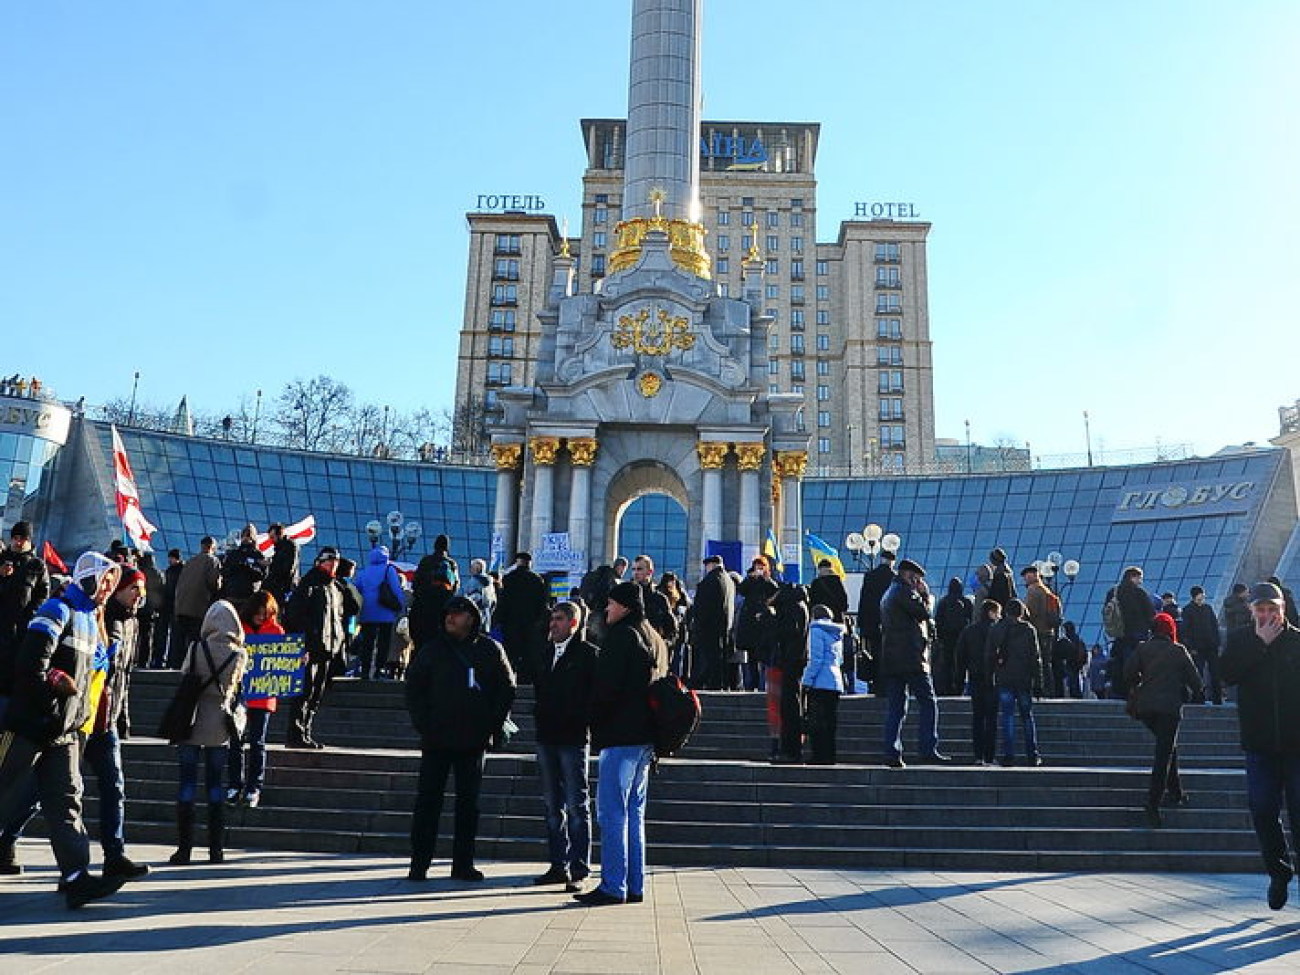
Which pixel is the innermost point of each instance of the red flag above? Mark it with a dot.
(300, 533)
(128, 498)
(51, 557)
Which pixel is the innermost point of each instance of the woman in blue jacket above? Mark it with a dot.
(823, 682)
(381, 607)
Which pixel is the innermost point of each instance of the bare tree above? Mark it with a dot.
(315, 414)
(469, 433)
(411, 435)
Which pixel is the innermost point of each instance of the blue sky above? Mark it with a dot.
(226, 196)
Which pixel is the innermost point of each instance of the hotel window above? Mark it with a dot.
(747, 201)
(773, 218)
(796, 369)
(502, 320)
(769, 313)
(772, 291)
(823, 342)
(774, 367)
(889, 303)
(501, 347)
(796, 270)
(724, 290)
(773, 388)
(888, 277)
(823, 394)
(747, 218)
(602, 215)
(823, 445)
(796, 343)
(508, 244)
(823, 367)
(773, 266)
(887, 253)
(746, 242)
(773, 242)
(823, 418)
(505, 269)
(774, 342)
(891, 436)
(796, 319)
(889, 328)
(796, 292)
(498, 373)
(798, 388)
(724, 218)
(724, 243)
(891, 380)
(505, 294)
(799, 422)
(797, 202)
(796, 244)
(598, 240)
(823, 292)
(598, 265)
(889, 355)
(823, 268)
(796, 220)
(602, 197)
(723, 265)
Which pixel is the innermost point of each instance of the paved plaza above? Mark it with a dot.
(293, 912)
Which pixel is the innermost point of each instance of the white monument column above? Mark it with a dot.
(543, 451)
(505, 516)
(790, 467)
(582, 454)
(713, 455)
(749, 458)
(663, 110)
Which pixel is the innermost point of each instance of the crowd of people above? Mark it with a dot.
(68, 645)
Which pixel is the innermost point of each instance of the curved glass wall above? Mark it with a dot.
(31, 432)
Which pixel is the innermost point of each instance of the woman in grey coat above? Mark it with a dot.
(220, 651)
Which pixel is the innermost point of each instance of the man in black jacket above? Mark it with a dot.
(1200, 633)
(1015, 654)
(521, 608)
(622, 731)
(828, 590)
(282, 573)
(657, 611)
(951, 617)
(564, 670)
(790, 656)
(1138, 611)
(243, 571)
(1263, 661)
(906, 632)
(24, 586)
(166, 610)
(712, 615)
(874, 586)
(459, 689)
(316, 611)
(974, 669)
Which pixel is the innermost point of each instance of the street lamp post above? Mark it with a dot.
(404, 533)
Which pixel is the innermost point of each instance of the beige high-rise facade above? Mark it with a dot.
(851, 325)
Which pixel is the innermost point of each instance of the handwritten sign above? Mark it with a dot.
(275, 667)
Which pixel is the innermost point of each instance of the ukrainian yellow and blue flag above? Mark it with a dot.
(773, 552)
(820, 550)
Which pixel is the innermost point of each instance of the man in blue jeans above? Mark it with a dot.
(906, 632)
(1263, 661)
(631, 657)
(563, 672)
(1015, 654)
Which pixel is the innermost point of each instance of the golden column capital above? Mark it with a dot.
(712, 453)
(791, 463)
(507, 455)
(544, 450)
(749, 456)
(582, 451)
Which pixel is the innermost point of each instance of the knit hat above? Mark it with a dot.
(628, 594)
(1266, 592)
(21, 529)
(129, 576)
(1165, 626)
(907, 565)
(90, 569)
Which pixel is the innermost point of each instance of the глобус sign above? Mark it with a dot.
(1183, 499)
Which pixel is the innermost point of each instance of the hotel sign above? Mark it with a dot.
(35, 418)
(741, 153)
(888, 211)
(1183, 499)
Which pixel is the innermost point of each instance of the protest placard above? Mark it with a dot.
(275, 667)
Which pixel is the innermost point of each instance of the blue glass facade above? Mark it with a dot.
(655, 525)
(1205, 522)
(191, 487)
(31, 432)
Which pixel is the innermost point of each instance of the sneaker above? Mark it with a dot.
(895, 762)
(232, 796)
(1036, 761)
(1278, 888)
(122, 866)
(252, 799)
(87, 887)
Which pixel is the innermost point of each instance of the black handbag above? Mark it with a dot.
(177, 723)
(389, 599)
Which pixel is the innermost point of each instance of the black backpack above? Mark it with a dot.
(674, 715)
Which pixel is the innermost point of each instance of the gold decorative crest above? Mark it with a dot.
(544, 449)
(635, 332)
(791, 463)
(582, 451)
(650, 383)
(507, 455)
(749, 456)
(713, 454)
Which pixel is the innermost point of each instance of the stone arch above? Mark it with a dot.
(636, 480)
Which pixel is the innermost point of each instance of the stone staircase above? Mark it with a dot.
(721, 804)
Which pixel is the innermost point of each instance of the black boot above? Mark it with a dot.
(216, 833)
(184, 834)
(9, 865)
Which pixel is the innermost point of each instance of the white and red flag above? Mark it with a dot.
(128, 498)
(300, 533)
